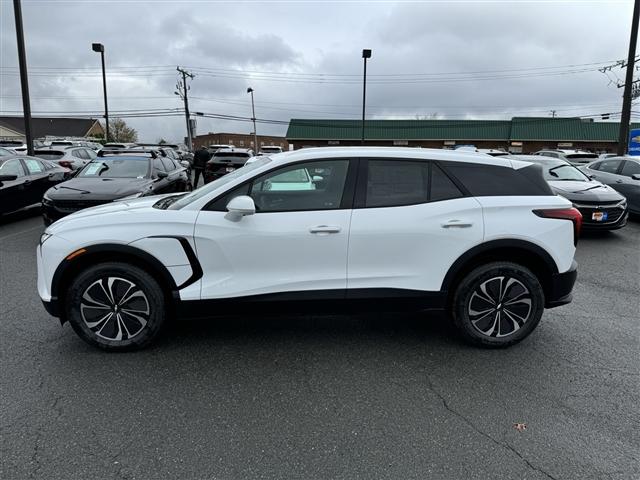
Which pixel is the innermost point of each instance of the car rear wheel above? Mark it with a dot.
(116, 306)
(498, 304)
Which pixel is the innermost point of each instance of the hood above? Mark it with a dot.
(585, 191)
(98, 188)
(130, 206)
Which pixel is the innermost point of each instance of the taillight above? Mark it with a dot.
(572, 214)
(65, 163)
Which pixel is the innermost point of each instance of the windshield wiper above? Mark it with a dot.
(71, 188)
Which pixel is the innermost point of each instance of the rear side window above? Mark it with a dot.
(630, 168)
(168, 164)
(34, 166)
(490, 180)
(609, 166)
(393, 183)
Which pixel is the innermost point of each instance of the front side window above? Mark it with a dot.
(316, 185)
(158, 166)
(168, 164)
(630, 168)
(12, 167)
(609, 166)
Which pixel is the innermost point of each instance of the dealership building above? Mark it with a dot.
(518, 135)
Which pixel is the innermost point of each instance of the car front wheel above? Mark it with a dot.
(498, 304)
(116, 306)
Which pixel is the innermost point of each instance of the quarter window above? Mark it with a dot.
(442, 187)
(492, 180)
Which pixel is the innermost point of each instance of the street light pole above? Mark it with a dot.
(253, 111)
(24, 79)
(365, 54)
(625, 119)
(98, 47)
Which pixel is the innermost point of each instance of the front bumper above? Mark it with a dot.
(560, 287)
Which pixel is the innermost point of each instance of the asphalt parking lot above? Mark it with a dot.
(375, 396)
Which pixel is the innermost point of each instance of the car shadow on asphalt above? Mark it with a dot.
(401, 327)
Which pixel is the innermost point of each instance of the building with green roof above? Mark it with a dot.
(518, 135)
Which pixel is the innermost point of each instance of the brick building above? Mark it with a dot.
(518, 135)
(240, 140)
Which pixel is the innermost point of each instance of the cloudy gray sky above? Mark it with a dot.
(456, 59)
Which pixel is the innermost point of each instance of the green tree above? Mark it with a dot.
(119, 131)
(161, 141)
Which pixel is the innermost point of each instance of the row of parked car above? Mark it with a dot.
(68, 178)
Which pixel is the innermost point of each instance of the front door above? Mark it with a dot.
(296, 242)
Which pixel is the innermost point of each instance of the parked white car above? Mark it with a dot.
(482, 238)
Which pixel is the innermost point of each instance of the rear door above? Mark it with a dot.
(296, 242)
(410, 223)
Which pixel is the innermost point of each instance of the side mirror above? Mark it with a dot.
(160, 174)
(241, 205)
(636, 176)
(317, 178)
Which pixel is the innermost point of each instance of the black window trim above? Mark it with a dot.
(363, 174)
(348, 190)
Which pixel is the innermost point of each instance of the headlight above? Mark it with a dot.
(129, 197)
(44, 237)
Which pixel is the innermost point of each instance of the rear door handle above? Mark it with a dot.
(619, 181)
(326, 229)
(456, 224)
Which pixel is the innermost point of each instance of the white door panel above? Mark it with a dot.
(411, 247)
(272, 252)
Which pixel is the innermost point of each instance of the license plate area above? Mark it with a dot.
(599, 216)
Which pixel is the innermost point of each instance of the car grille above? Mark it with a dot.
(69, 206)
(614, 211)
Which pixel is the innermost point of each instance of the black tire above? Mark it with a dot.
(515, 307)
(139, 306)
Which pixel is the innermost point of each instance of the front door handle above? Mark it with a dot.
(618, 181)
(456, 224)
(324, 229)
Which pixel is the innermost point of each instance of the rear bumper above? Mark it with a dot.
(559, 291)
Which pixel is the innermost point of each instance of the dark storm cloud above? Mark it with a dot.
(311, 37)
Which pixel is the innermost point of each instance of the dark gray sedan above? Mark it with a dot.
(621, 173)
(602, 207)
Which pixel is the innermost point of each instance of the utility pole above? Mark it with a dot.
(24, 79)
(366, 53)
(253, 111)
(625, 119)
(183, 89)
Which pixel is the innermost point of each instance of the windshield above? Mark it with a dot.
(563, 171)
(210, 187)
(120, 167)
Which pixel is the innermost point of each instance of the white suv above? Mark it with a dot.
(480, 237)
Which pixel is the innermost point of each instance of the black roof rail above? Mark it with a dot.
(118, 151)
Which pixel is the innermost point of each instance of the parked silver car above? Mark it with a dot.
(621, 173)
(69, 157)
(574, 157)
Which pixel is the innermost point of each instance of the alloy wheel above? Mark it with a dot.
(114, 308)
(499, 306)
